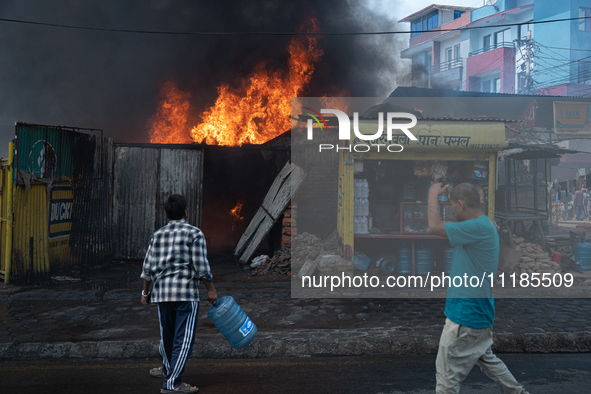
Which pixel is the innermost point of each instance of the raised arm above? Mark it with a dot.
(436, 225)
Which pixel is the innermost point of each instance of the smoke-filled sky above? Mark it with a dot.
(110, 80)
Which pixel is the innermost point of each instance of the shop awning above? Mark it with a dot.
(534, 151)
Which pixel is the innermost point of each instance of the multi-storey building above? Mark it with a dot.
(510, 46)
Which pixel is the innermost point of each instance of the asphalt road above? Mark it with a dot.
(567, 373)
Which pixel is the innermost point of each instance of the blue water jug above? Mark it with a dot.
(232, 322)
(386, 266)
(448, 256)
(424, 260)
(361, 261)
(583, 255)
(404, 259)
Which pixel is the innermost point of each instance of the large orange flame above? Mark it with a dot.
(260, 110)
(169, 124)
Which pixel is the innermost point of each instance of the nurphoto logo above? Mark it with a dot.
(392, 119)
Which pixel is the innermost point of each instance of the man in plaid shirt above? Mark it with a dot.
(175, 262)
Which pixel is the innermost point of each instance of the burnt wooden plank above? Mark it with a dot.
(277, 198)
(258, 218)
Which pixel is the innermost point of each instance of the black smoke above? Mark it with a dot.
(111, 80)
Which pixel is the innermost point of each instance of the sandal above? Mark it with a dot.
(158, 372)
(184, 388)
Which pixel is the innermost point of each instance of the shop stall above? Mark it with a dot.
(522, 204)
(383, 187)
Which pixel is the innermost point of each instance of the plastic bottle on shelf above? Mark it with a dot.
(364, 229)
(366, 186)
(357, 189)
(365, 207)
(356, 207)
(355, 225)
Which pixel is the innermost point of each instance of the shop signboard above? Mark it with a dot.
(571, 119)
(60, 211)
(442, 135)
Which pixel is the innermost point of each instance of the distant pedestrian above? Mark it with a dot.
(586, 203)
(467, 335)
(570, 211)
(563, 197)
(175, 262)
(562, 211)
(578, 201)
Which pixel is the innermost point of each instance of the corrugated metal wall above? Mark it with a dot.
(64, 218)
(180, 173)
(143, 178)
(91, 236)
(134, 200)
(88, 201)
(45, 151)
(3, 225)
(30, 257)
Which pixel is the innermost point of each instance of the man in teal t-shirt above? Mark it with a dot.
(467, 335)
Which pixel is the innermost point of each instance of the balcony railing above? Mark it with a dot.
(492, 47)
(444, 66)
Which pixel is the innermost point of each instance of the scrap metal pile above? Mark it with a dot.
(292, 256)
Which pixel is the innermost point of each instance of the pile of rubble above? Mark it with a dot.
(534, 259)
(302, 248)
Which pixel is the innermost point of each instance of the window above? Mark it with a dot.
(432, 20)
(457, 14)
(448, 55)
(424, 23)
(496, 85)
(414, 28)
(486, 43)
(486, 86)
(584, 73)
(457, 53)
(584, 24)
(501, 37)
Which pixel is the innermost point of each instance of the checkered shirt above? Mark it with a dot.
(175, 260)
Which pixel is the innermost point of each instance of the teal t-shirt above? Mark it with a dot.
(476, 253)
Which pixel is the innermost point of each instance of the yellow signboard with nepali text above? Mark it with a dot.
(442, 135)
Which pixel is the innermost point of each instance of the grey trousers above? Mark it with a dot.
(460, 348)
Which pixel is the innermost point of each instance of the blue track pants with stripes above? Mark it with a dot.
(177, 334)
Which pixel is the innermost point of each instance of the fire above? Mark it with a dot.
(260, 110)
(416, 109)
(169, 124)
(236, 214)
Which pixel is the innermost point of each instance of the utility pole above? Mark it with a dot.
(529, 57)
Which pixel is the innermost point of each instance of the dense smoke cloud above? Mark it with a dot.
(110, 80)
